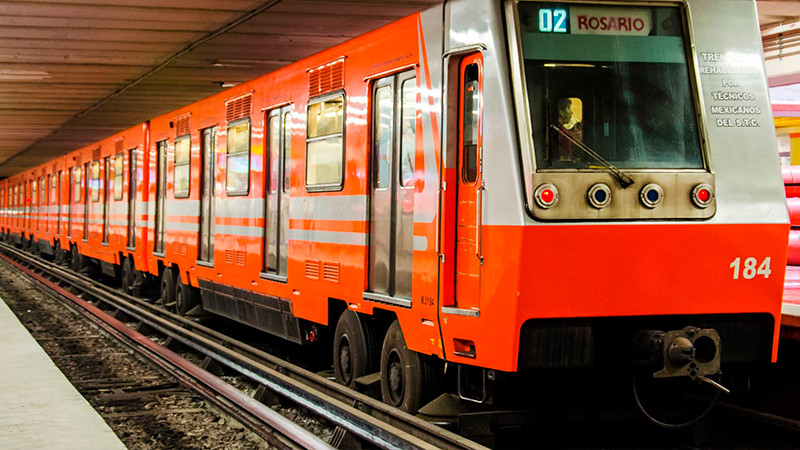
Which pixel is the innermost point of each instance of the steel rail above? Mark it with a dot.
(371, 420)
(279, 430)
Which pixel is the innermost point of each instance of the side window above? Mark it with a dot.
(95, 181)
(181, 173)
(53, 190)
(34, 201)
(471, 122)
(76, 196)
(408, 131)
(42, 191)
(384, 110)
(287, 150)
(325, 144)
(237, 172)
(119, 173)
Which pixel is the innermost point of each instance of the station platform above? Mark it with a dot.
(790, 312)
(39, 408)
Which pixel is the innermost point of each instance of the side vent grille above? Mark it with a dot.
(180, 249)
(330, 272)
(238, 107)
(241, 258)
(118, 146)
(326, 78)
(312, 269)
(182, 125)
(229, 257)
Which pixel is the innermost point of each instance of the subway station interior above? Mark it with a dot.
(399, 224)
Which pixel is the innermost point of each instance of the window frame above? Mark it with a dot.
(94, 183)
(77, 192)
(182, 193)
(228, 191)
(328, 187)
(119, 178)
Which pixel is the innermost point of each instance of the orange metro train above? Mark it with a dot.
(505, 186)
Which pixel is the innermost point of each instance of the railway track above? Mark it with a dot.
(357, 418)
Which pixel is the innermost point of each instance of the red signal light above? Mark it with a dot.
(546, 195)
(702, 195)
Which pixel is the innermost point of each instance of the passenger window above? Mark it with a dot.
(119, 173)
(471, 122)
(237, 179)
(34, 201)
(181, 173)
(384, 113)
(325, 144)
(77, 193)
(287, 150)
(95, 181)
(53, 197)
(408, 126)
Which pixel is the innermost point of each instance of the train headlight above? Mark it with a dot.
(599, 195)
(546, 195)
(702, 195)
(651, 195)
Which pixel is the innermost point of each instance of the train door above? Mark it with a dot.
(208, 156)
(392, 191)
(34, 222)
(86, 186)
(48, 200)
(470, 185)
(161, 195)
(73, 192)
(276, 220)
(106, 197)
(132, 198)
(57, 201)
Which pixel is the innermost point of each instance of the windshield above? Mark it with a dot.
(613, 78)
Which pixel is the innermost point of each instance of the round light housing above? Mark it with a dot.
(546, 195)
(702, 195)
(599, 195)
(651, 195)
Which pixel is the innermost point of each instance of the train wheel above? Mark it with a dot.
(185, 298)
(127, 277)
(407, 378)
(167, 290)
(75, 260)
(354, 351)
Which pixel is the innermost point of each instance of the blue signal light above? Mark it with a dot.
(552, 20)
(652, 195)
(600, 196)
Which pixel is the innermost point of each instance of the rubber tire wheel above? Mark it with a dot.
(127, 277)
(167, 298)
(185, 298)
(408, 380)
(355, 352)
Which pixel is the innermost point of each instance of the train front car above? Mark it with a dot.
(626, 189)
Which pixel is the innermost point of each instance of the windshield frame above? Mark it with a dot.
(523, 106)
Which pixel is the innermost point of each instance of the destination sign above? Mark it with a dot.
(618, 21)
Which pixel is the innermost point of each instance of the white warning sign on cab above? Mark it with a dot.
(610, 21)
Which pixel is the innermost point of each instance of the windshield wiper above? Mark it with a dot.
(623, 179)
